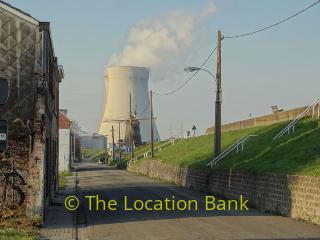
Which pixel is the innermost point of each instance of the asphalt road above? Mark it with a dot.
(110, 183)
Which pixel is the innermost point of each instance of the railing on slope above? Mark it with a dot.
(158, 148)
(291, 125)
(234, 146)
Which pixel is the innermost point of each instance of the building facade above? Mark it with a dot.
(64, 143)
(28, 63)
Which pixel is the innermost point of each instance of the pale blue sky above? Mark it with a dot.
(280, 66)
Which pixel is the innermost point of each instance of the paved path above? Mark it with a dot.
(59, 223)
(117, 225)
(110, 183)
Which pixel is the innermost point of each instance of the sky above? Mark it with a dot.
(279, 66)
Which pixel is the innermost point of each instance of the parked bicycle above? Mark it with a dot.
(11, 194)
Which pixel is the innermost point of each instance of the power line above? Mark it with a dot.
(273, 25)
(190, 78)
(236, 36)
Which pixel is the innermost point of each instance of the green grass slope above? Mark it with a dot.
(297, 153)
(92, 153)
(137, 151)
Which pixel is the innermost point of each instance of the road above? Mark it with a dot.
(110, 183)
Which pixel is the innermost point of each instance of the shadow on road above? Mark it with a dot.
(118, 184)
(112, 184)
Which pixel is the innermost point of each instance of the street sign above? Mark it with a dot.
(4, 91)
(3, 135)
(128, 150)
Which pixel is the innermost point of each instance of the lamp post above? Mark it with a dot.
(217, 133)
(194, 130)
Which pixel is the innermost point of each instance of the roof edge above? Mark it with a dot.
(19, 13)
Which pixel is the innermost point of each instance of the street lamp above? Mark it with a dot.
(194, 130)
(217, 125)
(192, 69)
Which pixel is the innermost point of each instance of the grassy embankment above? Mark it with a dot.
(96, 154)
(137, 151)
(93, 153)
(297, 153)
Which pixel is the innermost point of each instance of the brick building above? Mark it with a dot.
(29, 64)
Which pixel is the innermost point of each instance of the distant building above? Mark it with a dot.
(64, 142)
(93, 141)
(121, 82)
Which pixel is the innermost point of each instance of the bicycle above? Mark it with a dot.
(11, 195)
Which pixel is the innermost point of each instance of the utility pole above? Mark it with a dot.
(171, 131)
(131, 130)
(181, 129)
(217, 131)
(119, 142)
(151, 125)
(112, 129)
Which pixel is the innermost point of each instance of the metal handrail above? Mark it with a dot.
(145, 154)
(294, 121)
(234, 146)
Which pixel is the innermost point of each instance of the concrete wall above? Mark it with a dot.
(261, 121)
(186, 177)
(288, 195)
(293, 196)
(64, 150)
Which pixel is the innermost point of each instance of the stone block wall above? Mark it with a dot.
(182, 176)
(287, 195)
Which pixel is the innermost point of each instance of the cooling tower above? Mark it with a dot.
(120, 82)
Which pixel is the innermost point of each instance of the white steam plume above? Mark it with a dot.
(162, 42)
